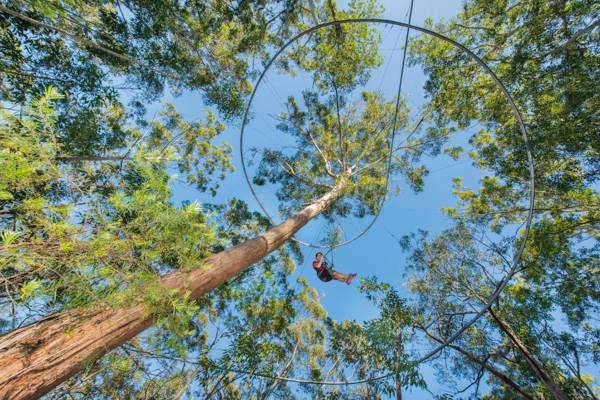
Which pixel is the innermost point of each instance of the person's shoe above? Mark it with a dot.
(350, 277)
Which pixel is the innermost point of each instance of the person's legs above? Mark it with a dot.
(339, 276)
(324, 275)
(343, 277)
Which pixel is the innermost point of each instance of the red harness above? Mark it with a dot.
(321, 268)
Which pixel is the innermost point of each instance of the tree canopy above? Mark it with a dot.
(90, 224)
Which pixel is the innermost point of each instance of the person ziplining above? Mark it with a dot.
(326, 273)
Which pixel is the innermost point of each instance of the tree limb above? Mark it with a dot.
(573, 38)
(505, 379)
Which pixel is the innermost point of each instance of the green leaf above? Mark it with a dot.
(8, 237)
(29, 289)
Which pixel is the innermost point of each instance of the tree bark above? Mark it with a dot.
(535, 365)
(398, 377)
(36, 358)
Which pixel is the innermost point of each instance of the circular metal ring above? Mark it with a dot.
(517, 257)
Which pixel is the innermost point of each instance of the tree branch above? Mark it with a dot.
(505, 379)
(573, 38)
(534, 364)
(284, 372)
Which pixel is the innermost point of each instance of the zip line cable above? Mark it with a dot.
(333, 245)
(387, 64)
(263, 76)
(389, 166)
(391, 140)
(521, 246)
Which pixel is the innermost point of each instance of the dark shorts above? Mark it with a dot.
(325, 275)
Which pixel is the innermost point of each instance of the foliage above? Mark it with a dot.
(547, 56)
(87, 217)
(67, 242)
(150, 45)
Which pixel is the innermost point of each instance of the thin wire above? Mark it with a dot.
(387, 65)
(274, 90)
(389, 166)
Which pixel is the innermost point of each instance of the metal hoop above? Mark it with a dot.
(517, 257)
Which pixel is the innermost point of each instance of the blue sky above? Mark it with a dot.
(377, 253)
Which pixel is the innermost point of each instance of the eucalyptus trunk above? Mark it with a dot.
(37, 358)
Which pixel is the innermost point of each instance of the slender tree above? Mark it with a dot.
(547, 55)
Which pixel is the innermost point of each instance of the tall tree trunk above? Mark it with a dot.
(36, 358)
(535, 365)
(398, 377)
